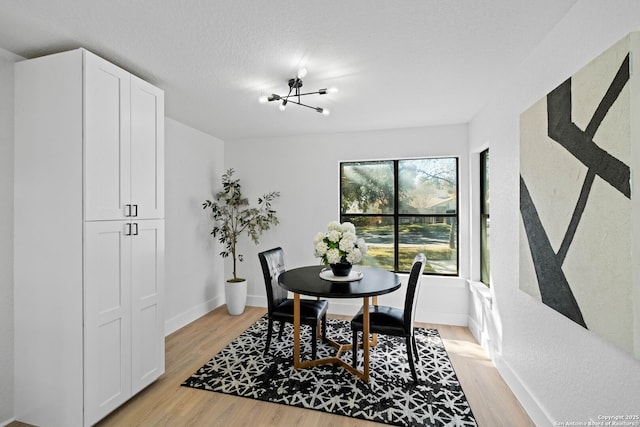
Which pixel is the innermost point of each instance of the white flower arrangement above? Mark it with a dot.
(339, 244)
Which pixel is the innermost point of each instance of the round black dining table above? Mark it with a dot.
(308, 281)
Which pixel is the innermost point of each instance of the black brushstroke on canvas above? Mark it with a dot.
(555, 290)
(577, 214)
(554, 287)
(580, 143)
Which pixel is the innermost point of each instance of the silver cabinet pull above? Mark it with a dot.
(127, 210)
(127, 231)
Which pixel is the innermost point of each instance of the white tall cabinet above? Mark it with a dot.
(89, 238)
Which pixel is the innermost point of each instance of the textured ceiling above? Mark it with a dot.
(396, 63)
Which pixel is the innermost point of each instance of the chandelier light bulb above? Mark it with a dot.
(283, 106)
(325, 112)
(263, 99)
(326, 91)
(302, 72)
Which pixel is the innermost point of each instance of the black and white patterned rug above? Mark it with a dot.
(390, 397)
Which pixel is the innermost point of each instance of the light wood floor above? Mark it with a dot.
(166, 403)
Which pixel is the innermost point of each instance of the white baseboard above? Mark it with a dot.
(475, 329)
(482, 327)
(454, 319)
(7, 422)
(522, 393)
(256, 301)
(190, 315)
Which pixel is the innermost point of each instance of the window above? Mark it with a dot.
(485, 271)
(401, 208)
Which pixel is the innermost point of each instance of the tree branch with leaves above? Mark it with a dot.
(233, 216)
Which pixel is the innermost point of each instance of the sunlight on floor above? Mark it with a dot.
(468, 350)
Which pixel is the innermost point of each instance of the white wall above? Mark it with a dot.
(558, 370)
(194, 270)
(7, 60)
(305, 169)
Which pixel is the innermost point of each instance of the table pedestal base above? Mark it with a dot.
(337, 360)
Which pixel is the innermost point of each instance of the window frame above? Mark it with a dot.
(484, 220)
(397, 216)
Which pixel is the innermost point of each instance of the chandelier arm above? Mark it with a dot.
(303, 94)
(304, 105)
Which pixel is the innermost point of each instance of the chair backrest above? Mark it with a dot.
(413, 288)
(272, 262)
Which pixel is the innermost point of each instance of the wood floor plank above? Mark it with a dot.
(166, 403)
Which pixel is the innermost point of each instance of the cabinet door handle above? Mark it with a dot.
(135, 233)
(127, 231)
(135, 211)
(127, 210)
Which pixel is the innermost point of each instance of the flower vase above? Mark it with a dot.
(341, 269)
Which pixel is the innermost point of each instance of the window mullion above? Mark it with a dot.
(396, 219)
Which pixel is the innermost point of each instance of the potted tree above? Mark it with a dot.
(232, 216)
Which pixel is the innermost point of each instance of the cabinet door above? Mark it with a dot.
(106, 139)
(147, 149)
(147, 273)
(107, 331)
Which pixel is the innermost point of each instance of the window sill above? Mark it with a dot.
(481, 291)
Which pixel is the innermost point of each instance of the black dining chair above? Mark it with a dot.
(387, 320)
(280, 308)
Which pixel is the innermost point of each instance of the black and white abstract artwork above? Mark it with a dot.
(576, 228)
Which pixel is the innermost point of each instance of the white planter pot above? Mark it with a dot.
(236, 296)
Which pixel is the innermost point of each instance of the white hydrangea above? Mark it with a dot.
(355, 256)
(348, 227)
(333, 256)
(318, 238)
(334, 235)
(347, 242)
(321, 249)
(362, 245)
(334, 225)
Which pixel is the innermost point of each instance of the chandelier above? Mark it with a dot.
(294, 95)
